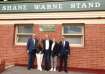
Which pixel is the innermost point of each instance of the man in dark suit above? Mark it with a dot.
(31, 50)
(47, 52)
(63, 53)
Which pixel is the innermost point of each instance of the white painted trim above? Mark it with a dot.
(54, 15)
(9, 66)
(85, 21)
(20, 44)
(82, 34)
(77, 45)
(22, 34)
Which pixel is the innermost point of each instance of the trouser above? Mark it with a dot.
(31, 59)
(53, 62)
(63, 62)
(47, 60)
(39, 57)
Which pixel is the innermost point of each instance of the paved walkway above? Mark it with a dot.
(23, 70)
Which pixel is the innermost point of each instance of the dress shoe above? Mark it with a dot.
(66, 71)
(59, 70)
(29, 68)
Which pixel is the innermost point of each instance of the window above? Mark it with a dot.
(74, 33)
(23, 32)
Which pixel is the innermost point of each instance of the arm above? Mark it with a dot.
(28, 44)
(68, 48)
(59, 48)
(43, 42)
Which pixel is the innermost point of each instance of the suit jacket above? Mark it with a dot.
(31, 46)
(64, 49)
(55, 50)
(44, 44)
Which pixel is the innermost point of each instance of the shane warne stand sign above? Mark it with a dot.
(67, 6)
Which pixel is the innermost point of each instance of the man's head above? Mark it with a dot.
(54, 40)
(33, 36)
(62, 38)
(46, 36)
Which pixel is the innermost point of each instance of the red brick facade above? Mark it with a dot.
(91, 56)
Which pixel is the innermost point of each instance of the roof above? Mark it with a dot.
(39, 0)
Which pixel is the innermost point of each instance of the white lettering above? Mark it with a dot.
(36, 6)
(55, 6)
(60, 6)
(14, 7)
(84, 5)
(9, 8)
(72, 5)
(49, 6)
(43, 7)
(97, 4)
(20, 7)
(4, 8)
(91, 5)
(78, 5)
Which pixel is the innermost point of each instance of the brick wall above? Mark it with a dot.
(6, 43)
(91, 56)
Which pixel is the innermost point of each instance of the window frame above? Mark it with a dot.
(81, 34)
(22, 34)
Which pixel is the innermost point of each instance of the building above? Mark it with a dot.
(80, 22)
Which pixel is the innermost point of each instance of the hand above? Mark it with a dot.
(27, 51)
(68, 55)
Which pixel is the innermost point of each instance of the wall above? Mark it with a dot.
(91, 56)
(6, 43)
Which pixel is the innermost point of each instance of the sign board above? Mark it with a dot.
(47, 27)
(66, 6)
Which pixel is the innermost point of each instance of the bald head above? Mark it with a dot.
(33, 35)
(46, 36)
(62, 38)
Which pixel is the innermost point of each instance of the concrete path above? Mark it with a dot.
(23, 70)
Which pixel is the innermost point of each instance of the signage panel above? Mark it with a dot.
(67, 6)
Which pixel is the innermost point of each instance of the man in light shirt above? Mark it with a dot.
(47, 52)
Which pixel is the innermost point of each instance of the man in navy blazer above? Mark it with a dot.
(64, 51)
(31, 50)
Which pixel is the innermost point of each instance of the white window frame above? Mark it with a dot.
(81, 34)
(21, 34)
